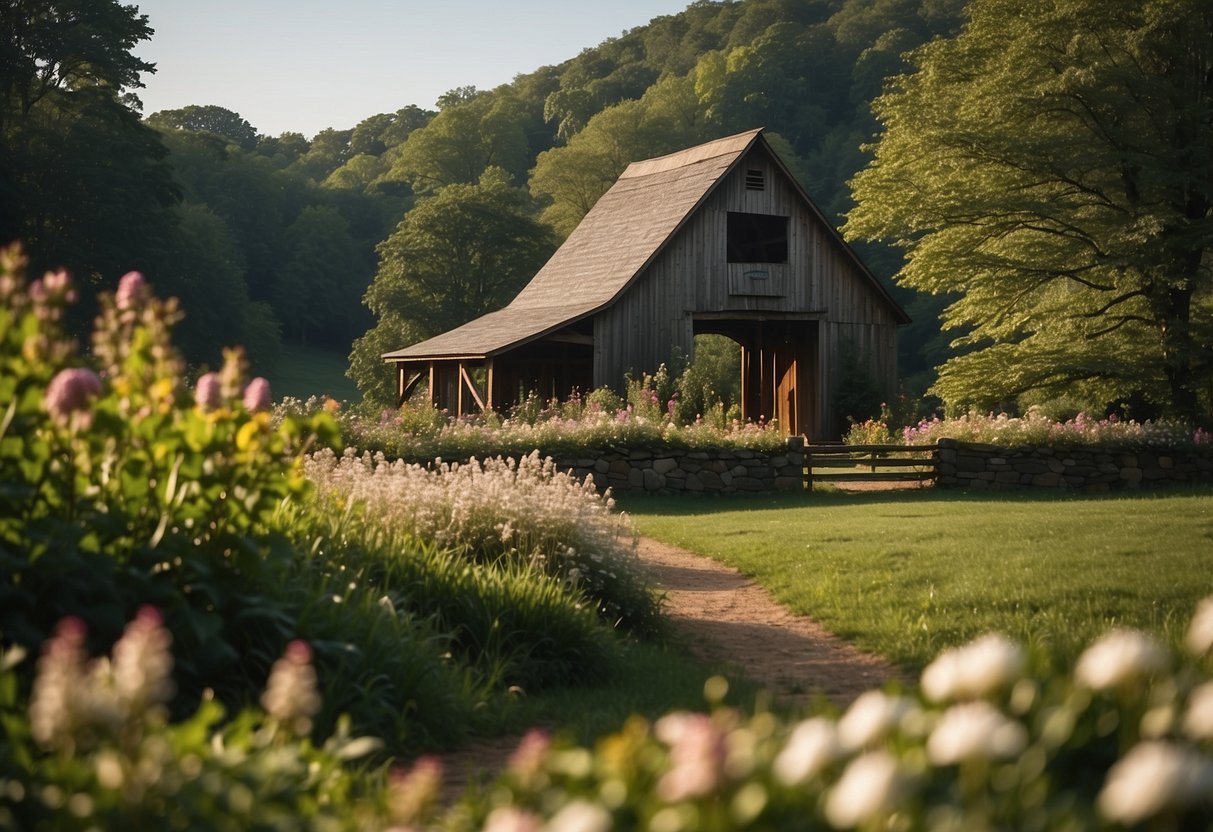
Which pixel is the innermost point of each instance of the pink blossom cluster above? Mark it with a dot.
(1034, 428)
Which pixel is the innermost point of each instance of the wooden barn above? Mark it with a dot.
(718, 238)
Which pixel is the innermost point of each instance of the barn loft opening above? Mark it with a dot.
(757, 238)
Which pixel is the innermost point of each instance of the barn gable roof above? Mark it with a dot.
(619, 237)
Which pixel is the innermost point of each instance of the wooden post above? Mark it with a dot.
(489, 392)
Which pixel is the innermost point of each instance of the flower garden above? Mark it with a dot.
(214, 616)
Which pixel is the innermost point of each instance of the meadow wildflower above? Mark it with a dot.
(132, 291)
(143, 663)
(291, 695)
(812, 746)
(1119, 658)
(871, 718)
(980, 668)
(1152, 778)
(257, 395)
(512, 819)
(1198, 719)
(1200, 632)
(70, 393)
(974, 730)
(208, 393)
(870, 787)
(697, 755)
(580, 816)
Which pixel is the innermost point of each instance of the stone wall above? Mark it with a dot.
(668, 471)
(975, 466)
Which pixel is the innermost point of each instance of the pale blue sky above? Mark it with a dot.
(304, 65)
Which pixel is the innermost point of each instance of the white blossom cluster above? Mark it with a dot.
(980, 747)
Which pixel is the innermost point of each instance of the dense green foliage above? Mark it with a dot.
(907, 574)
(123, 488)
(273, 239)
(1048, 173)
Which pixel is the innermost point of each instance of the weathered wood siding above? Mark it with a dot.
(654, 318)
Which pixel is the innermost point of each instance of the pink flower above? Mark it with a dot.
(257, 395)
(291, 695)
(208, 394)
(142, 662)
(527, 759)
(132, 289)
(697, 754)
(71, 391)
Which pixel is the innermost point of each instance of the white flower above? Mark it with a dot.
(812, 746)
(1119, 657)
(511, 819)
(870, 718)
(1200, 631)
(981, 667)
(1198, 721)
(1152, 777)
(869, 787)
(580, 816)
(975, 730)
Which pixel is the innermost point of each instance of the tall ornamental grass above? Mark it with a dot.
(518, 514)
(513, 629)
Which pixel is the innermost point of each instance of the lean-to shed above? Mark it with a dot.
(718, 238)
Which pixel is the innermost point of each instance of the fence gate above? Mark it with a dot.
(870, 463)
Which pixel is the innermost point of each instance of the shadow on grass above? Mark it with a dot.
(690, 505)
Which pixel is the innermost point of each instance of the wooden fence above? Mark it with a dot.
(870, 463)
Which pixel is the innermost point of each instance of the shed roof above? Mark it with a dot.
(617, 239)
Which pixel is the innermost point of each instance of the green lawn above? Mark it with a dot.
(906, 574)
(310, 371)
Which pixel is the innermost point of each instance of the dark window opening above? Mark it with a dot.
(754, 180)
(757, 238)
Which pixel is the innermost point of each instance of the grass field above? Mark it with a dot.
(310, 371)
(906, 574)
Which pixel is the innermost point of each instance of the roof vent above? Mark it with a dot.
(754, 180)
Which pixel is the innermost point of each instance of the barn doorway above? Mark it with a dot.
(778, 363)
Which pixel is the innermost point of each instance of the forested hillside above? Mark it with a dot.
(275, 240)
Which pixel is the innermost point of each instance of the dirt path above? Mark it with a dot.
(725, 619)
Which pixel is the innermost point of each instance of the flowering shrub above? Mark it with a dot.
(121, 487)
(98, 750)
(522, 512)
(994, 739)
(418, 432)
(1036, 429)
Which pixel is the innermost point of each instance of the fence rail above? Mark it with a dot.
(870, 463)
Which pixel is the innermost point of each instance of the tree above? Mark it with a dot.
(457, 255)
(574, 176)
(1051, 165)
(469, 135)
(218, 121)
(317, 289)
(82, 181)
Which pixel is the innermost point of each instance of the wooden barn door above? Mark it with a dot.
(777, 361)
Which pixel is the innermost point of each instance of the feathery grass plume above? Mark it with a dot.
(523, 511)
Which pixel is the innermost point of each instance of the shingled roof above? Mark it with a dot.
(624, 231)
